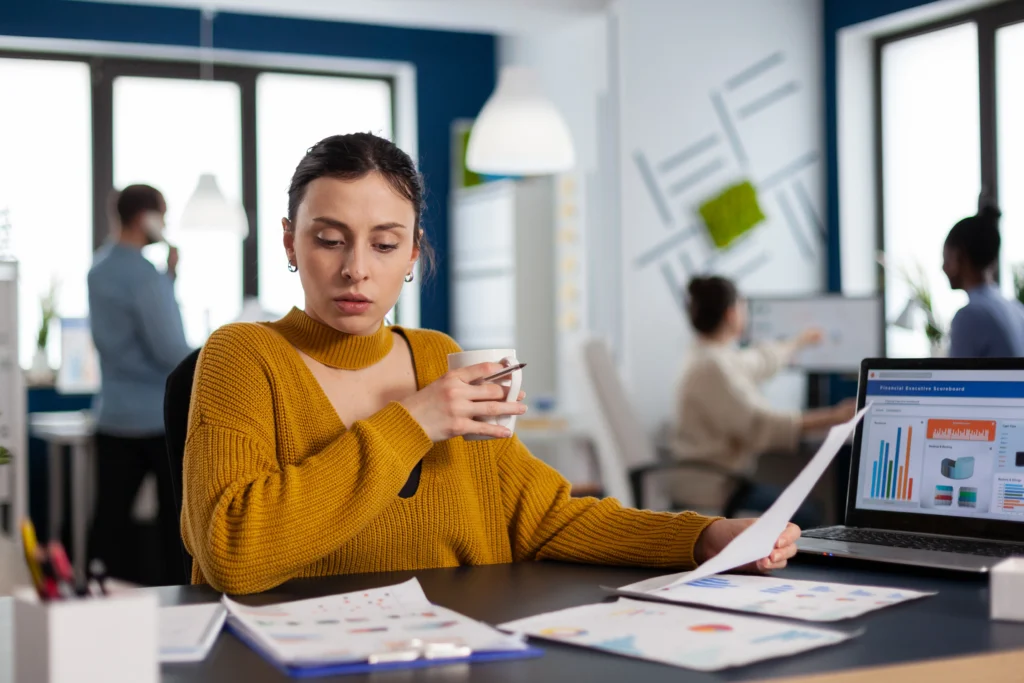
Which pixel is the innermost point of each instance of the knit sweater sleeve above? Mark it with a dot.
(545, 522)
(250, 521)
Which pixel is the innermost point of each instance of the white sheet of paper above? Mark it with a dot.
(187, 632)
(352, 626)
(777, 597)
(672, 634)
(758, 540)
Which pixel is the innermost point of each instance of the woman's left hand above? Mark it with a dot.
(718, 534)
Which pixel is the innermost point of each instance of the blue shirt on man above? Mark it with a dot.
(137, 330)
(989, 326)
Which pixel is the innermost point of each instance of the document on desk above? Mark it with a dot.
(187, 632)
(771, 596)
(758, 540)
(389, 625)
(672, 634)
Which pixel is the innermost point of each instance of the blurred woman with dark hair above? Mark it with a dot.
(722, 416)
(989, 326)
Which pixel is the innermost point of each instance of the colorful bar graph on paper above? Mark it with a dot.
(962, 430)
(890, 472)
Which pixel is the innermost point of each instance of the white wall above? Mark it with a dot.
(576, 67)
(650, 80)
(690, 73)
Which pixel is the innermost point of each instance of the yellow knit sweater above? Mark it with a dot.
(275, 487)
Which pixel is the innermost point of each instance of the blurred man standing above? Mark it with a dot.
(137, 329)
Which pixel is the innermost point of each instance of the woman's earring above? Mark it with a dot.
(408, 278)
(292, 267)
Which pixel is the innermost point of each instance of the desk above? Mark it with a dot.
(954, 622)
(566, 446)
(76, 430)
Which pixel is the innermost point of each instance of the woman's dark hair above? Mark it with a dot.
(353, 156)
(708, 300)
(136, 199)
(977, 237)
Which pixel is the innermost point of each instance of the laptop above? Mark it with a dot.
(937, 468)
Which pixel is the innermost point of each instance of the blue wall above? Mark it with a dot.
(455, 73)
(840, 14)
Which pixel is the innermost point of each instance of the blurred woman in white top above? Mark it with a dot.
(722, 416)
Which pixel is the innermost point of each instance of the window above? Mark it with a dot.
(46, 184)
(950, 115)
(166, 133)
(157, 122)
(931, 165)
(1010, 142)
(295, 111)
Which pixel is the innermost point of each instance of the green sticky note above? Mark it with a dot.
(731, 214)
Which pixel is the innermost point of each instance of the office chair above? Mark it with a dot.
(177, 398)
(636, 451)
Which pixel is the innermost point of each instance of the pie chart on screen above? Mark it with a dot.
(710, 628)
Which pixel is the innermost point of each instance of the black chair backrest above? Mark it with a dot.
(177, 398)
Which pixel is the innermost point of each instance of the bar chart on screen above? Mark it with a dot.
(962, 430)
(1009, 494)
(893, 473)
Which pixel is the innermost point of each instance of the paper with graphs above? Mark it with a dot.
(672, 634)
(777, 597)
(757, 541)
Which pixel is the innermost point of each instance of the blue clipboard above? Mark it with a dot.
(318, 670)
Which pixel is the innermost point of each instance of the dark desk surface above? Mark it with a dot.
(954, 622)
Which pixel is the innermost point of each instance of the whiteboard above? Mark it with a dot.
(852, 328)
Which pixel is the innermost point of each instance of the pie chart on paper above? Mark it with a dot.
(710, 628)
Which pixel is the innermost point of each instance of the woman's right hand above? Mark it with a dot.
(845, 410)
(810, 337)
(445, 408)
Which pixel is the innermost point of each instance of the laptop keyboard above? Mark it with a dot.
(902, 540)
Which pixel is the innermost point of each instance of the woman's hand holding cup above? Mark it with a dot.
(447, 407)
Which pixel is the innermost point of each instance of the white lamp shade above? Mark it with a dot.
(519, 131)
(207, 209)
(905, 320)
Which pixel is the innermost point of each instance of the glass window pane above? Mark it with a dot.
(293, 113)
(1010, 128)
(931, 161)
(46, 183)
(166, 133)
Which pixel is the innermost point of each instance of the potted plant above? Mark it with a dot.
(41, 372)
(1018, 281)
(920, 298)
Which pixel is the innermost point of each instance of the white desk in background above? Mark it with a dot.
(76, 431)
(565, 445)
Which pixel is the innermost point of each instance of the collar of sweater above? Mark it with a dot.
(326, 345)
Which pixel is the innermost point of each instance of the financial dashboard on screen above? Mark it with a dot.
(945, 442)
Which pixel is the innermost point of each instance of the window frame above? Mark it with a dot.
(227, 66)
(988, 20)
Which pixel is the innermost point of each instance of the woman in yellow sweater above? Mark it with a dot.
(330, 443)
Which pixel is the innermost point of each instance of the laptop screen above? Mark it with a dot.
(943, 442)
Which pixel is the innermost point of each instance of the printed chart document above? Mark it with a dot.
(758, 540)
(187, 632)
(671, 634)
(382, 624)
(805, 600)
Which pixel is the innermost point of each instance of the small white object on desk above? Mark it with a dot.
(1006, 590)
(187, 632)
(111, 639)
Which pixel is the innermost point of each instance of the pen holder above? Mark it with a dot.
(112, 639)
